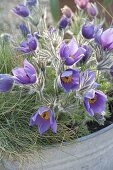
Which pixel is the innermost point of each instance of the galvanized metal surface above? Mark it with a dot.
(93, 152)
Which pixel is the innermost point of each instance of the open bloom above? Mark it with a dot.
(6, 82)
(71, 52)
(81, 3)
(44, 119)
(88, 30)
(25, 74)
(28, 45)
(92, 9)
(94, 101)
(63, 22)
(21, 10)
(106, 39)
(69, 79)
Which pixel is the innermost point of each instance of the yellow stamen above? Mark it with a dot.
(66, 79)
(71, 56)
(45, 115)
(92, 100)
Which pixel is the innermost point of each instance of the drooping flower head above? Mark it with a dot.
(106, 39)
(26, 74)
(94, 101)
(71, 52)
(28, 45)
(44, 119)
(88, 30)
(21, 10)
(67, 11)
(24, 29)
(69, 79)
(81, 3)
(63, 22)
(6, 82)
(92, 9)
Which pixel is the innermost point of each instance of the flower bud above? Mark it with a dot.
(88, 30)
(81, 3)
(67, 11)
(64, 22)
(92, 9)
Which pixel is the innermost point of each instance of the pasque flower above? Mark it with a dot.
(21, 10)
(31, 2)
(25, 74)
(44, 119)
(81, 3)
(71, 52)
(24, 29)
(63, 22)
(69, 79)
(88, 30)
(28, 45)
(92, 9)
(87, 53)
(106, 39)
(94, 101)
(67, 11)
(6, 82)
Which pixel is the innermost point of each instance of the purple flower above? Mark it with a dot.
(81, 3)
(70, 52)
(44, 119)
(94, 101)
(92, 9)
(24, 29)
(25, 74)
(6, 82)
(21, 10)
(67, 11)
(64, 22)
(106, 39)
(31, 2)
(88, 30)
(87, 53)
(29, 45)
(69, 79)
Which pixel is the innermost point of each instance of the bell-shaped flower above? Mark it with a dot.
(92, 9)
(21, 10)
(69, 79)
(44, 119)
(81, 3)
(63, 22)
(106, 39)
(88, 30)
(94, 101)
(67, 11)
(6, 82)
(28, 45)
(70, 52)
(26, 74)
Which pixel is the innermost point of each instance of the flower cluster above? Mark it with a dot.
(71, 59)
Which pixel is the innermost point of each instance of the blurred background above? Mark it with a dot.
(8, 19)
